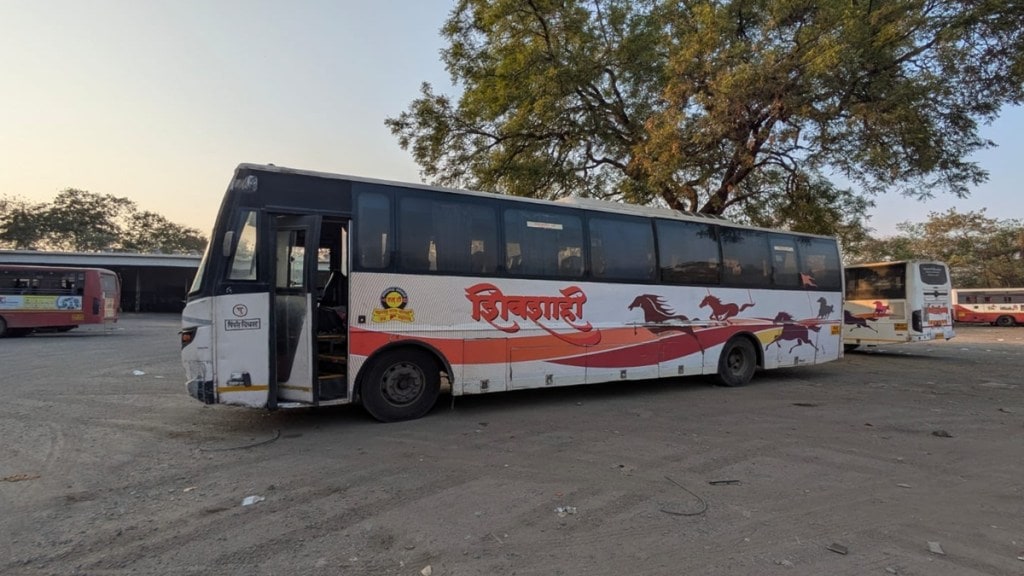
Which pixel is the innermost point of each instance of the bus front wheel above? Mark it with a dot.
(1005, 321)
(401, 385)
(737, 363)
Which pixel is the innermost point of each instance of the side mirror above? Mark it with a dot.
(229, 240)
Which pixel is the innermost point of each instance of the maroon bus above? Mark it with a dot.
(55, 298)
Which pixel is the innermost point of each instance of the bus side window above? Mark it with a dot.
(542, 240)
(750, 249)
(688, 252)
(373, 233)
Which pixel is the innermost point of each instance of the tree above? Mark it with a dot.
(981, 252)
(150, 232)
(86, 222)
(23, 224)
(83, 221)
(696, 104)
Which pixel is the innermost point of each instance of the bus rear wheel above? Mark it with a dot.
(401, 385)
(737, 363)
(3, 327)
(1005, 321)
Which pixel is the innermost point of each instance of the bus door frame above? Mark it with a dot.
(297, 386)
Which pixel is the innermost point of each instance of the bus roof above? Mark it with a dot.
(891, 262)
(981, 290)
(593, 204)
(34, 268)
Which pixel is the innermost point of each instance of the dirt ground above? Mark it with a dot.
(109, 467)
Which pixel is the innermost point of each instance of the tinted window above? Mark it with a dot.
(688, 252)
(543, 243)
(243, 259)
(785, 268)
(446, 236)
(291, 259)
(373, 231)
(819, 263)
(933, 273)
(881, 282)
(108, 284)
(621, 249)
(745, 258)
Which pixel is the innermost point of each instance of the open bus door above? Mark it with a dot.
(295, 243)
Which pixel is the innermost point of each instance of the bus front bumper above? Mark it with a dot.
(202, 390)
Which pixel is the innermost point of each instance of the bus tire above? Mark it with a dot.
(3, 327)
(401, 385)
(737, 363)
(1005, 321)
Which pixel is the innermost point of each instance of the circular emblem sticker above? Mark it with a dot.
(394, 298)
(393, 306)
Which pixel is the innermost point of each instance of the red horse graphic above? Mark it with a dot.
(721, 311)
(657, 312)
(849, 318)
(793, 331)
(655, 309)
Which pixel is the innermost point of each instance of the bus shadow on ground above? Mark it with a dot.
(240, 422)
(932, 355)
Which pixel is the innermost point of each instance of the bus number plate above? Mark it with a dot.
(77, 317)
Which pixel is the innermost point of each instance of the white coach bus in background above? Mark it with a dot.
(893, 302)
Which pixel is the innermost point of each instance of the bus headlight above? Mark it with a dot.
(187, 335)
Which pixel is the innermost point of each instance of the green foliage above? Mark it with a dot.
(981, 252)
(82, 221)
(150, 232)
(700, 104)
(85, 222)
(23, 225)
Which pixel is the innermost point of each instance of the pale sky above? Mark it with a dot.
(158, 101)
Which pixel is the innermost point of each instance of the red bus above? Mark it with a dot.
(55, 298)
(996, 306)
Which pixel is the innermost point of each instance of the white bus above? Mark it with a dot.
(892, 302)
(481, 293)
(996, 306)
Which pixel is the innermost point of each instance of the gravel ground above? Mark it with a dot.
(854, 467)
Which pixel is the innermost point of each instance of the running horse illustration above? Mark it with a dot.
(720, 311)
(656, 311)
(849, 318)
(792, 331)
(824, 308)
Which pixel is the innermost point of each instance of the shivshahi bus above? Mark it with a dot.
(894, 302)
(428, 287)
(36, 298)
(996, 306)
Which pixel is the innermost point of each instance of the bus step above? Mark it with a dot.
(330, 337)
(332, 387)
(337, 358)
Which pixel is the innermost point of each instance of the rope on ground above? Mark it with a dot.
(703, 503)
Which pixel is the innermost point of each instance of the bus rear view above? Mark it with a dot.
(893, 302)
